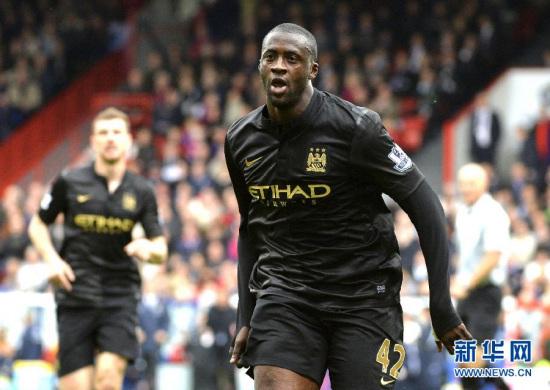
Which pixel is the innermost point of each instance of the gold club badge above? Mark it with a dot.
(129, 201)
(316, 160)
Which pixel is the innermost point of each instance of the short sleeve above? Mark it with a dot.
(54, 201)
(496, 234)
(379, 160)
(150, 218)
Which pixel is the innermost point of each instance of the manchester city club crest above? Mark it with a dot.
(317, 160)
(129, 201)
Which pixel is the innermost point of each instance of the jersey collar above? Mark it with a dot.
(265, 123)
(103, 179)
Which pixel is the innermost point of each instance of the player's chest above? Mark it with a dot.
(94, 199)
(309, 157)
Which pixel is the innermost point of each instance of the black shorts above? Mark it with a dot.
(85, 331)
(362, 348)
(480, 311)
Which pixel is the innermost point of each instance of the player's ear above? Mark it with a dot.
(313, 71)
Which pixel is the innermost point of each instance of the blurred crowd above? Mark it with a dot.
(402, 59)
(45, 44)
(414, 62)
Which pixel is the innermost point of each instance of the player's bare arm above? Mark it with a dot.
(61, 272)
(152, 250)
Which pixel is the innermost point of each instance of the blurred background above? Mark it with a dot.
(184, 70)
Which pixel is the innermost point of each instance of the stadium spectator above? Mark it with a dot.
(145, 151)
(221, 322)
(32, 274)
(10, 267)
(17, 239)
(482, 233)
(485, 132)
(153, 324)
(7, 352)
(30, 345)
(135, 81)
(23, 90)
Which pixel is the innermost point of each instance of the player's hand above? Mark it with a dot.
(239, 346)
(459, 290)
(61, 274)
(449, 338)
(139, 248)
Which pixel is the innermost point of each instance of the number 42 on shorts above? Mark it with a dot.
(383, 357)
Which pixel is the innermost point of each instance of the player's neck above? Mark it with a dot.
(285, 115)
(113, 173)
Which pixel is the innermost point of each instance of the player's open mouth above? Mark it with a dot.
(278, 86)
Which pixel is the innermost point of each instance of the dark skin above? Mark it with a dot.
(286, 69)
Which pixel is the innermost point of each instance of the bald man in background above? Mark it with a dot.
(482, 237)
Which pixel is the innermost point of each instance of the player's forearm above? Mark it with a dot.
(426, 213)
(152, 250)
(41, 239)
(158, 254)
(158, 250)
(483, 271)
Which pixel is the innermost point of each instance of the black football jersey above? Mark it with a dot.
(310, 193)
(97, 226)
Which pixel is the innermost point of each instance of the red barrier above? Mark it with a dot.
(409, 132)
(448, 155)
(40, 134)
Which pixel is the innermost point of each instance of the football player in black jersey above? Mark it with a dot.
(96, 273)
(319, 266)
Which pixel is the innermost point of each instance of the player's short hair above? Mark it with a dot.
(111, 113)
(291, 28)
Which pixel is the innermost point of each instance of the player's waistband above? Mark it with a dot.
(330, 302)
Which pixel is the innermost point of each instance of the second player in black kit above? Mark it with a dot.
(319, 265)
(98, 280)
(97, 227)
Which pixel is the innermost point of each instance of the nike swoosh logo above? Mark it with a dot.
(83, 198)
(385, 382)
(248, 164)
